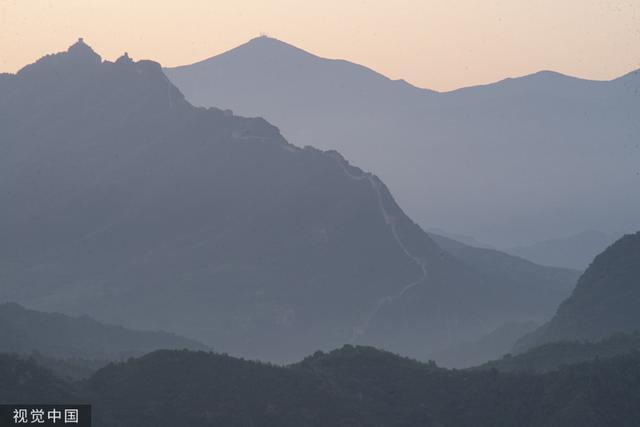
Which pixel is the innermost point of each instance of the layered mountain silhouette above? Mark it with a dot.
(123, 201)
(605, 300)
(491, 346)
(575, 251)
(552, 356)
(499, 267)
(541, 155)
(352, 386)
(55, 335)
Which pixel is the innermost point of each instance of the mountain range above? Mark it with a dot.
(575, 251)
(352, 386)
(55, 335)
(604, 301)
(125, 202)
(509, 163)
(554, 355)
(561, 383)
(489, 347)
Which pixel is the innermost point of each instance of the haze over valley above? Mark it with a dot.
(213, 226)
(268, 237)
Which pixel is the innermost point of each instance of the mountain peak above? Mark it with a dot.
(263, 38)
(81, 70)
(267, 40)
(78, 56)
(270, 46)
(81, 51)
(124, 59)
(261, 48)
(80, 44)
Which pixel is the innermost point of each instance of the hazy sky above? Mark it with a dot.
(440, 44)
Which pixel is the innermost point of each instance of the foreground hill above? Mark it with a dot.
(541, 155)
(126, 203)
(59, 336)
(353, 386)
(23, 380)
(605, 300)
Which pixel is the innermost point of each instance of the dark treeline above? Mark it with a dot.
(353, 386)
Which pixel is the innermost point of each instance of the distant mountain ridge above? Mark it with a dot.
(540, 155)
(24, 331)
(576, 251)
(604, 302)
(127, 203)
(498, 266)
(491, 346)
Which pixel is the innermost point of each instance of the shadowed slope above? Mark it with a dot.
(605, 300)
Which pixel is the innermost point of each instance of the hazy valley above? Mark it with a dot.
(268, 238)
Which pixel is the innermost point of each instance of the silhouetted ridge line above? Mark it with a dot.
(355, 386)
(603, 302)
(390, 221)
(437, 151)
(132, 205)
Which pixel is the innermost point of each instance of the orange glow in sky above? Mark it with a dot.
(439, 44)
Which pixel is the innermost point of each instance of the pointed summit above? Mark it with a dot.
(80, 70)
(80, 51)
(124, 59)
(77, 57)
(265, 48)
(266, 40)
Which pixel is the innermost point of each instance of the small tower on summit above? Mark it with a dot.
(124, 59)
(82, 52)
(81, 42)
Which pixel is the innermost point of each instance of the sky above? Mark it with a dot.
(437, 44)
